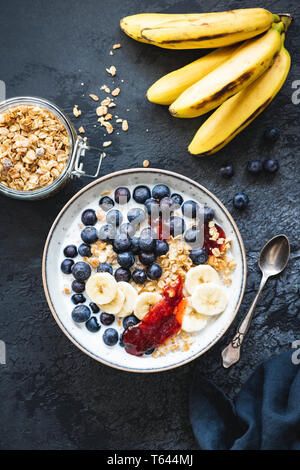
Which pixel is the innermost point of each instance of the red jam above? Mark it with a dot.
(211, 244)
(162, 321)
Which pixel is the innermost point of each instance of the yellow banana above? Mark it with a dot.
(240, 110)
(204, 30)
(168, 88)
(246, 64)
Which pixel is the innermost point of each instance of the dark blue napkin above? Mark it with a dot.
(265, 414)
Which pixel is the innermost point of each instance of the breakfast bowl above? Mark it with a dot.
(95, 287)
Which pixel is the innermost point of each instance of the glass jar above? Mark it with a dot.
(74, 165)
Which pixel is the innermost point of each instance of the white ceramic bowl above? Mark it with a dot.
(63, 232)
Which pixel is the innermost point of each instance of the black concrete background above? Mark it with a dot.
(51, 394)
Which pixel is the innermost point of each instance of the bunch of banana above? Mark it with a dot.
(240, 79)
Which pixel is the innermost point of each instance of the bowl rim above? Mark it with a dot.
(107, 177)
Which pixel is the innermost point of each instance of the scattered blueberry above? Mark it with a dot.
(271, 165)
(227, 171)
(110, 337)
(130, 321)
(135, 246)
(177, 225)
(150, 351)
(93, 325)
(78, 299)
(85, 250)
(106, 203)
(107, 233)
(66, 266)
(81, 271)
(160, 190)
(78, 286)
(147, 258)
(122, 274)
(141, 194)
(89, 235)
(240, 200)
(128, 229)
(105, 268)
(199, 256)
(122, 195)
(271, 134)
(114, 217)
(81, 313)
(192, 234)
(147, 242)
(190, 209)
(121, 243)
(136, 214)
(70, 251)
(209, 214)
(107, 318)
(178, 200)
(161, 247)
(254, 166)
(94, 307)
(125, 259)
(89, 217)
(139, 276)
(152, 206)
(154, 271)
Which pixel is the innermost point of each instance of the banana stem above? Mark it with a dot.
(286, 19)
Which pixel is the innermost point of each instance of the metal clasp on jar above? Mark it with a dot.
(79, 151)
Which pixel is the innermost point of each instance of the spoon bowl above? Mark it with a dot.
(274, 255)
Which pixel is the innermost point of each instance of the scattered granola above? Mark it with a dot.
(81, 130)
(116, 46)
(94, 97)
(112, 70)
(115, 92)
(124, 125)
(76, 111)
(107, 143)
(146, 163)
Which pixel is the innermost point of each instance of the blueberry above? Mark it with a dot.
(78, 286)
(88, 217)
(89, 235)
(93, 325)
(121, 343)
(125, 259)
(130, 321)
(161, 247)
(121, 243)
(85, 250)
(147, 242)
(160, 190)
(66, 266)
(254, 166)
(106, 203)
(135, 247)
(122, 195)
(70, 251)
(152, 206)
(271, 134)
(190, 209)
(150, 351)
(122, 274)
(136, 214)
(177, 225)
(94, 307)
(240, 200)
(128, 229)
(167, 205)
(81, 313)
(209, 214)
(147, 258)
(271, 165)
(81, 271)
(192, 234)
(154, 271)
(178, 200)
(139, 276)
(78, 299)
(105, 268)
(114, 217)
(107, 318)
(141, 194)
(227, 171)
(107, 233)
(110, 337)
(198, 256)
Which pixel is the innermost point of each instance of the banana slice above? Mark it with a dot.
(115, 306)
(131, 296)
(144, 302)
(199, 275)
(101, 288)
(209, 299)
(193, 321)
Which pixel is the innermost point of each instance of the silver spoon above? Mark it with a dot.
(273, 259)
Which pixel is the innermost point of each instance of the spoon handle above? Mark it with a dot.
(231, 354)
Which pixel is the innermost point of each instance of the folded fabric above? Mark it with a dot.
(264, 416)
